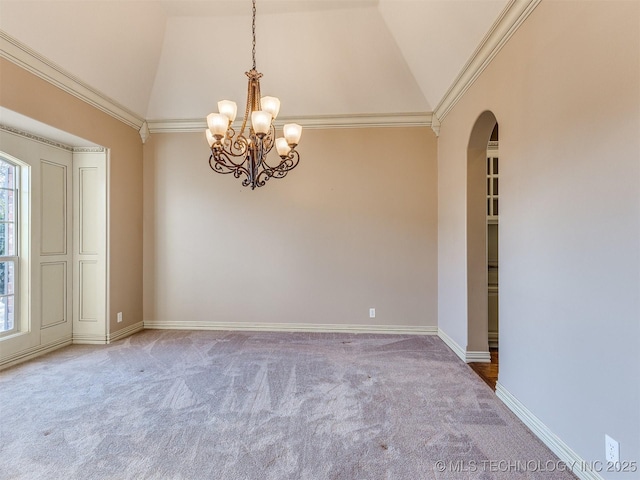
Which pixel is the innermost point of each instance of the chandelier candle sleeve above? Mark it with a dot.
(218, 124)
(228, 109)
(271, 105)
(292, 132)
(261, 122)
(282, 147)
(210, 138)
(244, 153)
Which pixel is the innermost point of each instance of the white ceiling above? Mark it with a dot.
(174, 59)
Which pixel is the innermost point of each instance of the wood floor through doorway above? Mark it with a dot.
(488, 371)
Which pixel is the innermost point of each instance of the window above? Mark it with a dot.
(9, 264)
(492, 181)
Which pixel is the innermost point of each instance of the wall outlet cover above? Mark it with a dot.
(612, 449)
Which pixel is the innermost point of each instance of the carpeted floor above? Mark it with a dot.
(229, 405)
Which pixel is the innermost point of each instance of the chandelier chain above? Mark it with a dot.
(253, 31)
(245, 155)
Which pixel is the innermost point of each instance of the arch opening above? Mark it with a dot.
(482, 237)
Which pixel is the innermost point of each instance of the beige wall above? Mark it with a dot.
(27, 94)
(352, 227)
(565, 92)
(360, 222)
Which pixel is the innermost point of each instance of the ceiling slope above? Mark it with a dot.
(171, 60)
(437, 37)
(325, 62)
(112, 46)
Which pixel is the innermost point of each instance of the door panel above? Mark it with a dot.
(89, 248)
(53, 275)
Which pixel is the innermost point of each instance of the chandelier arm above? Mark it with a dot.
(221, 163)
(231, 148)
(280, 171)
(287, 164)
(269, 140)
(237, 147)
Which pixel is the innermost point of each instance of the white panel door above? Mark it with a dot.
(89, 255)
(55, 253)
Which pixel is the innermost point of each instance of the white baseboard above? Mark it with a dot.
(451, 343)
(478, 357)
(293, 327)
(34, 352)
(493, 339)
(573, 461)
(466, 357)
(89, 339)
(125, 332)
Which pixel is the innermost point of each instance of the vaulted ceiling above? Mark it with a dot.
(174, 59)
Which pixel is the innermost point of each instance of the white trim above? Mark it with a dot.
(513, 15)
(36, 138)
(176, 126)
(88, 149)
(89, 339)
(315, 122)
(144, 132)
(451, 343)
(478, 357)
(493, 338)
(23, 56)
(466, 357)
(107, 244)
(34, 352)
(510, 19)
(125, 332)
(292, 327)
(362, 121)
(550, 439)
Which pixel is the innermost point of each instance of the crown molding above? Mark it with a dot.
(23, 56)
(51, 143)
(89, 149)
(144, 132)
(36, 138)
(422, 119)
(309, 122)
(513, 15)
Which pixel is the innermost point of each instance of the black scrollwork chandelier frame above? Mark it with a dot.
(245, 155)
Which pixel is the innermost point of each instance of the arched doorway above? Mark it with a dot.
(482, 210)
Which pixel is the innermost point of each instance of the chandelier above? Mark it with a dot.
(246, 154)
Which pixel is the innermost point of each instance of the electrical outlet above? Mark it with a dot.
(372, 313)
(612, 449)
(119, 317)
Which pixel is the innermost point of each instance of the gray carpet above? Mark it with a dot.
(228, 405)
